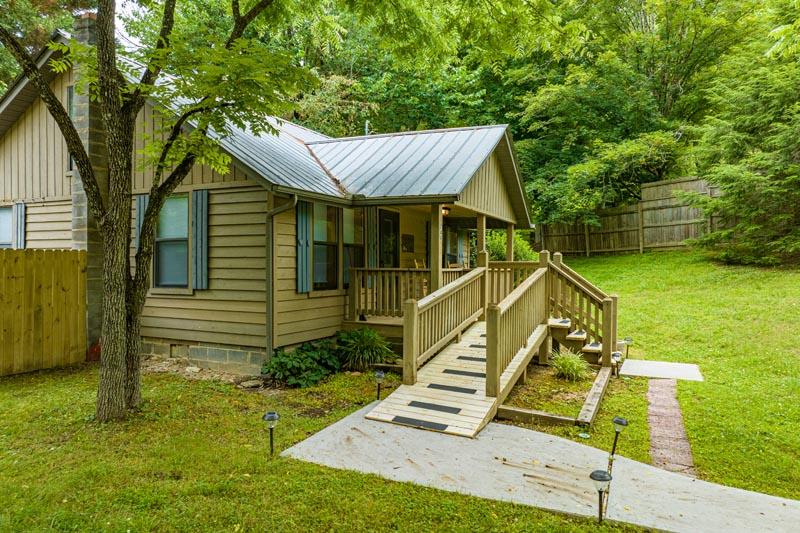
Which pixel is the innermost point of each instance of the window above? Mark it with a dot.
(6, 231)
(71, 113)
(353, 229)
(172, 243)
(326, 247)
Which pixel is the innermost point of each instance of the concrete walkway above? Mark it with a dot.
(528, 467)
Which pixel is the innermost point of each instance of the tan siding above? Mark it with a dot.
(33, 153)
(49, 225)
(233, 310)
(299, 317)
(149, 125)
(486, 192)
(413, 222)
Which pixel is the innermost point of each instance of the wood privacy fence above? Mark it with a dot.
(42, 309)
(659, 221)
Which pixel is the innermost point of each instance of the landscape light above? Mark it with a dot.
(602, 481)
(619, 426)
(628, 342)
(379, 375)
(617, 358)
(271, 418)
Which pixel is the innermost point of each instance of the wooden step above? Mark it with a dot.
(559, 323)
(577, 335)
(592, 347)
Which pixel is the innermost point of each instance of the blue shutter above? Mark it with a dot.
(461, 237)
(305, 217)
(19, 224)
(372, 236)
(141, 206)
(200, 239)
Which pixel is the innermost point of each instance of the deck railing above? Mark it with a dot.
(382, 291)
(449, 275)
(510, 325)
(588, 308)
(505, 276)
(432, 322)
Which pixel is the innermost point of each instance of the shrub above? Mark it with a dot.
(569, 365)
(361, 348)
(304, 366)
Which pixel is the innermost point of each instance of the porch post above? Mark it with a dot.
(510, 242)
(435, 260)
(481, 234)
(483, 261)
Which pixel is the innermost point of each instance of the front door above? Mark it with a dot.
(388, 239)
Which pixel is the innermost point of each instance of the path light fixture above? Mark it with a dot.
(617, 358)
(619, 426)
(271, 418)
(628, 342)
(602, 481)
(379, 375)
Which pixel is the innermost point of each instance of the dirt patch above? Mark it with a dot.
(188, 370)
(546, 392)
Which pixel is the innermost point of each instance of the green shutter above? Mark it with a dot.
(200, 239)
(305, 220)
(141, 206)
(19, 224)
(372, 236)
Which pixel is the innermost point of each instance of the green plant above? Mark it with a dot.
(304, 366)
(361, 348)
(569, 365)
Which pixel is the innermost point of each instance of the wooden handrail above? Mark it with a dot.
(580, 280)
(510, 324)
(432, 322)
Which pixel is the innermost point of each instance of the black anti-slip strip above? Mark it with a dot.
(435, 407)
(483, 334)
(464, 373)
(477, 346)
(452, 388)
(468, 358)
(419, 423)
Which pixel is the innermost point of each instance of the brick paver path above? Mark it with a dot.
(669, 447)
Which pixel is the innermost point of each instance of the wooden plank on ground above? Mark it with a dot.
(592, 404)
(528, 416)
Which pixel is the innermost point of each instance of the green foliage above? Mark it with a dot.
(360, 349)
(748, 149)
(569, 365)
(304, 366)
(496, 246)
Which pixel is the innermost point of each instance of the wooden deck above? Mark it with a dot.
(450, 393)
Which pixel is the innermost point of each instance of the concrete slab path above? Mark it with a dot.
(660, 369)
(528, 467)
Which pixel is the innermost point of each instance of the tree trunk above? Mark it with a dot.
(133, 372)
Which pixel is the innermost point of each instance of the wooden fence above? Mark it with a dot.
(42, 309)
(659, 221)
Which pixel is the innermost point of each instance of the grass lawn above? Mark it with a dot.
(742, 326)
(196, 459)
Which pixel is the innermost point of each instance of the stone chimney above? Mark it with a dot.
(85, 235)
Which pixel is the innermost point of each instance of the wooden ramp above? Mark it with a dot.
(450, 393)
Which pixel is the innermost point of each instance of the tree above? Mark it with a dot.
(204, 68)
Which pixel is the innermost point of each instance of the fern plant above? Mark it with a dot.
(362, 348)
(569, 365)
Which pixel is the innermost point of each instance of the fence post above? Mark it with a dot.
(586, 238)
(640, 211)
(608, 331)
(410, 341)
(547, 345)
(492, 351)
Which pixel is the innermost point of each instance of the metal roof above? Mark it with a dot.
(425, 163)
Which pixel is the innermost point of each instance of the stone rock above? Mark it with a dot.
(193, 369)
(251, 384)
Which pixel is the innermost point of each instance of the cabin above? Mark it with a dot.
(306, 235)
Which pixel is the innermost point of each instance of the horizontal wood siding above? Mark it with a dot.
(299, 317)
(149, 125)
(33, 155)
(486, 193)
(48, 225)
(233, 309)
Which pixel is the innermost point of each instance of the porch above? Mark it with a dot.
(466, 344)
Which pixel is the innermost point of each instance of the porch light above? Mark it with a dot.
(602, 481)
(445, 211)
(379, 375)
(271, 418)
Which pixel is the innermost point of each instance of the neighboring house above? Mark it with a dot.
(264, 256)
